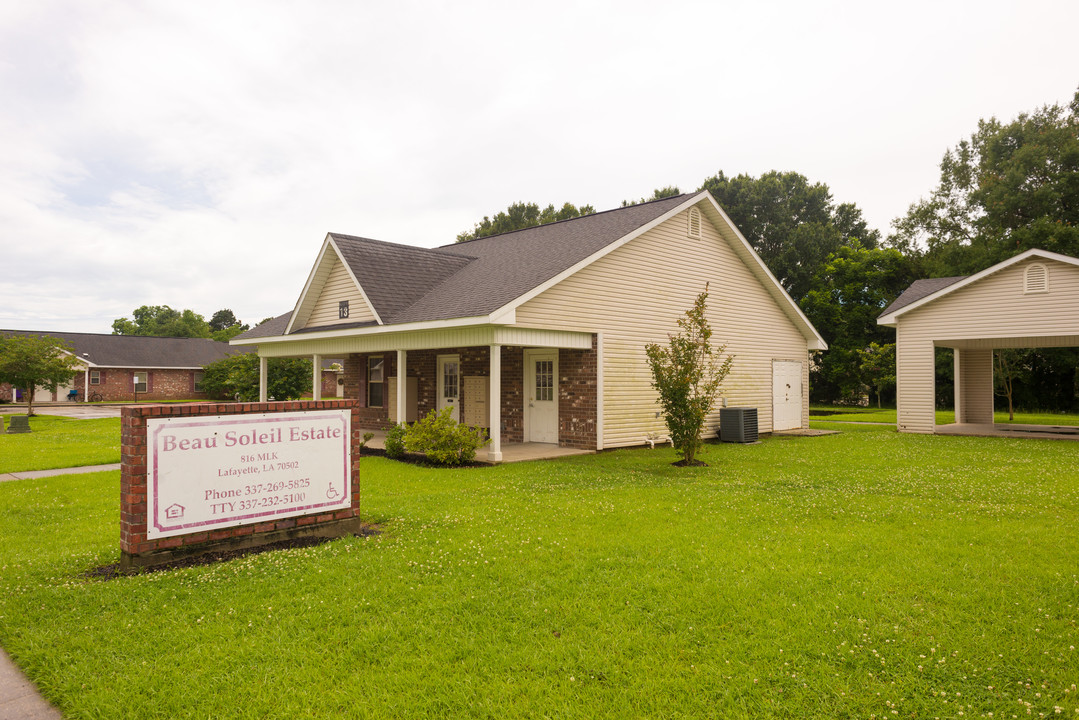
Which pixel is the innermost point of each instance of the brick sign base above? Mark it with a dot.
(137, 551)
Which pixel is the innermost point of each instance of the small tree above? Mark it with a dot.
(687, 374)
(877, 367)
(33, 361)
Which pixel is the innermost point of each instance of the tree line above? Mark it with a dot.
(1009, 187)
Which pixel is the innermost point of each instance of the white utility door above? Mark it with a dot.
(449, 384)
(541, 401)
(786, 395)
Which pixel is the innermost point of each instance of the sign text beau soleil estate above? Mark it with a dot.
(207, 473)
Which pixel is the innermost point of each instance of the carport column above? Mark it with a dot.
(316, 377)
(262, 378)
(402, 386)
(494, 402)
(974, 386)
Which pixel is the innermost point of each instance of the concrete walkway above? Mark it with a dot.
(31, 474)
(19, 699)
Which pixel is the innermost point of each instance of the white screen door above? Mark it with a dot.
(449, 384)
(541, 403)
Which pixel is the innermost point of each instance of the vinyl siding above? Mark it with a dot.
(974, 389)
(636, 294)
(990, 313)
(339, 286)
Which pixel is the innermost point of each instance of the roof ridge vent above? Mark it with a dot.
(1036, 279)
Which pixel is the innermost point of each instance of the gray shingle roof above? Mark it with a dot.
(920, 289)
(474, 278)
(396, 276)
(270, 328)
(134, 351)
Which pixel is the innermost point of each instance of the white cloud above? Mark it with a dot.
(195, 155)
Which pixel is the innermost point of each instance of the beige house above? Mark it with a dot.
(1028, 301)
(539, 334)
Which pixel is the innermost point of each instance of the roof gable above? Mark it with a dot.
(329, 258)
(923, 292)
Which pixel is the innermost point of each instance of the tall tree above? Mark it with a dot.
(162, 321)
(1008, 188)
(33, 361)
(523, 215)
(849, 292)
(224, 326)
(791, 223)
(657, 194)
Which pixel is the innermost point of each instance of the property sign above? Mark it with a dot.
(213, 472)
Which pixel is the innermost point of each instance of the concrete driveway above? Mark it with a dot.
(72, 410)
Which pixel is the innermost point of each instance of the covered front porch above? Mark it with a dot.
(535, 392)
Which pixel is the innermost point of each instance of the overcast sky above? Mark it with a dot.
(195, 154)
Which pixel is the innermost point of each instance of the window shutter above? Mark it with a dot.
(149, 381)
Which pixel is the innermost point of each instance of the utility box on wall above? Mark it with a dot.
(477, 390)
(738, 424)
(412, 412)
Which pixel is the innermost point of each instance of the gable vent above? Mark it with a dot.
(694, 230)
(1036, 279)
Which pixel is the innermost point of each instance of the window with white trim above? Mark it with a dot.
(693, 219)
(140, 381)
(197, 381)
(1036, 279)
(95, 377)
(375, 381)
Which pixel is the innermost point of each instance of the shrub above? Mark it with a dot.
(395, 441)
(443, 440)
(687, 375)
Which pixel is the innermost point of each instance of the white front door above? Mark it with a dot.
(786, 395)
(449, 384)
(541, 396)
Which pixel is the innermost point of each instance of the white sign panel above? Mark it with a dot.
(212, 472)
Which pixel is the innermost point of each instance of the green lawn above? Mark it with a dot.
(866, 574)
(944, 417)
(58, 442)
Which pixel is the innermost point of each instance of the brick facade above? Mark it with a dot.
(578, 398)
(118, 385)
(577, 389)
(138, 551)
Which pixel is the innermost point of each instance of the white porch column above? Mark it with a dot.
(316, 377)
(494, 403)
(402, 386)
(263, 372)
(86, 384)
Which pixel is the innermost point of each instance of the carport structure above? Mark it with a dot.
(1028, 301)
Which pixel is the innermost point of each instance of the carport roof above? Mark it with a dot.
(926, 291)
